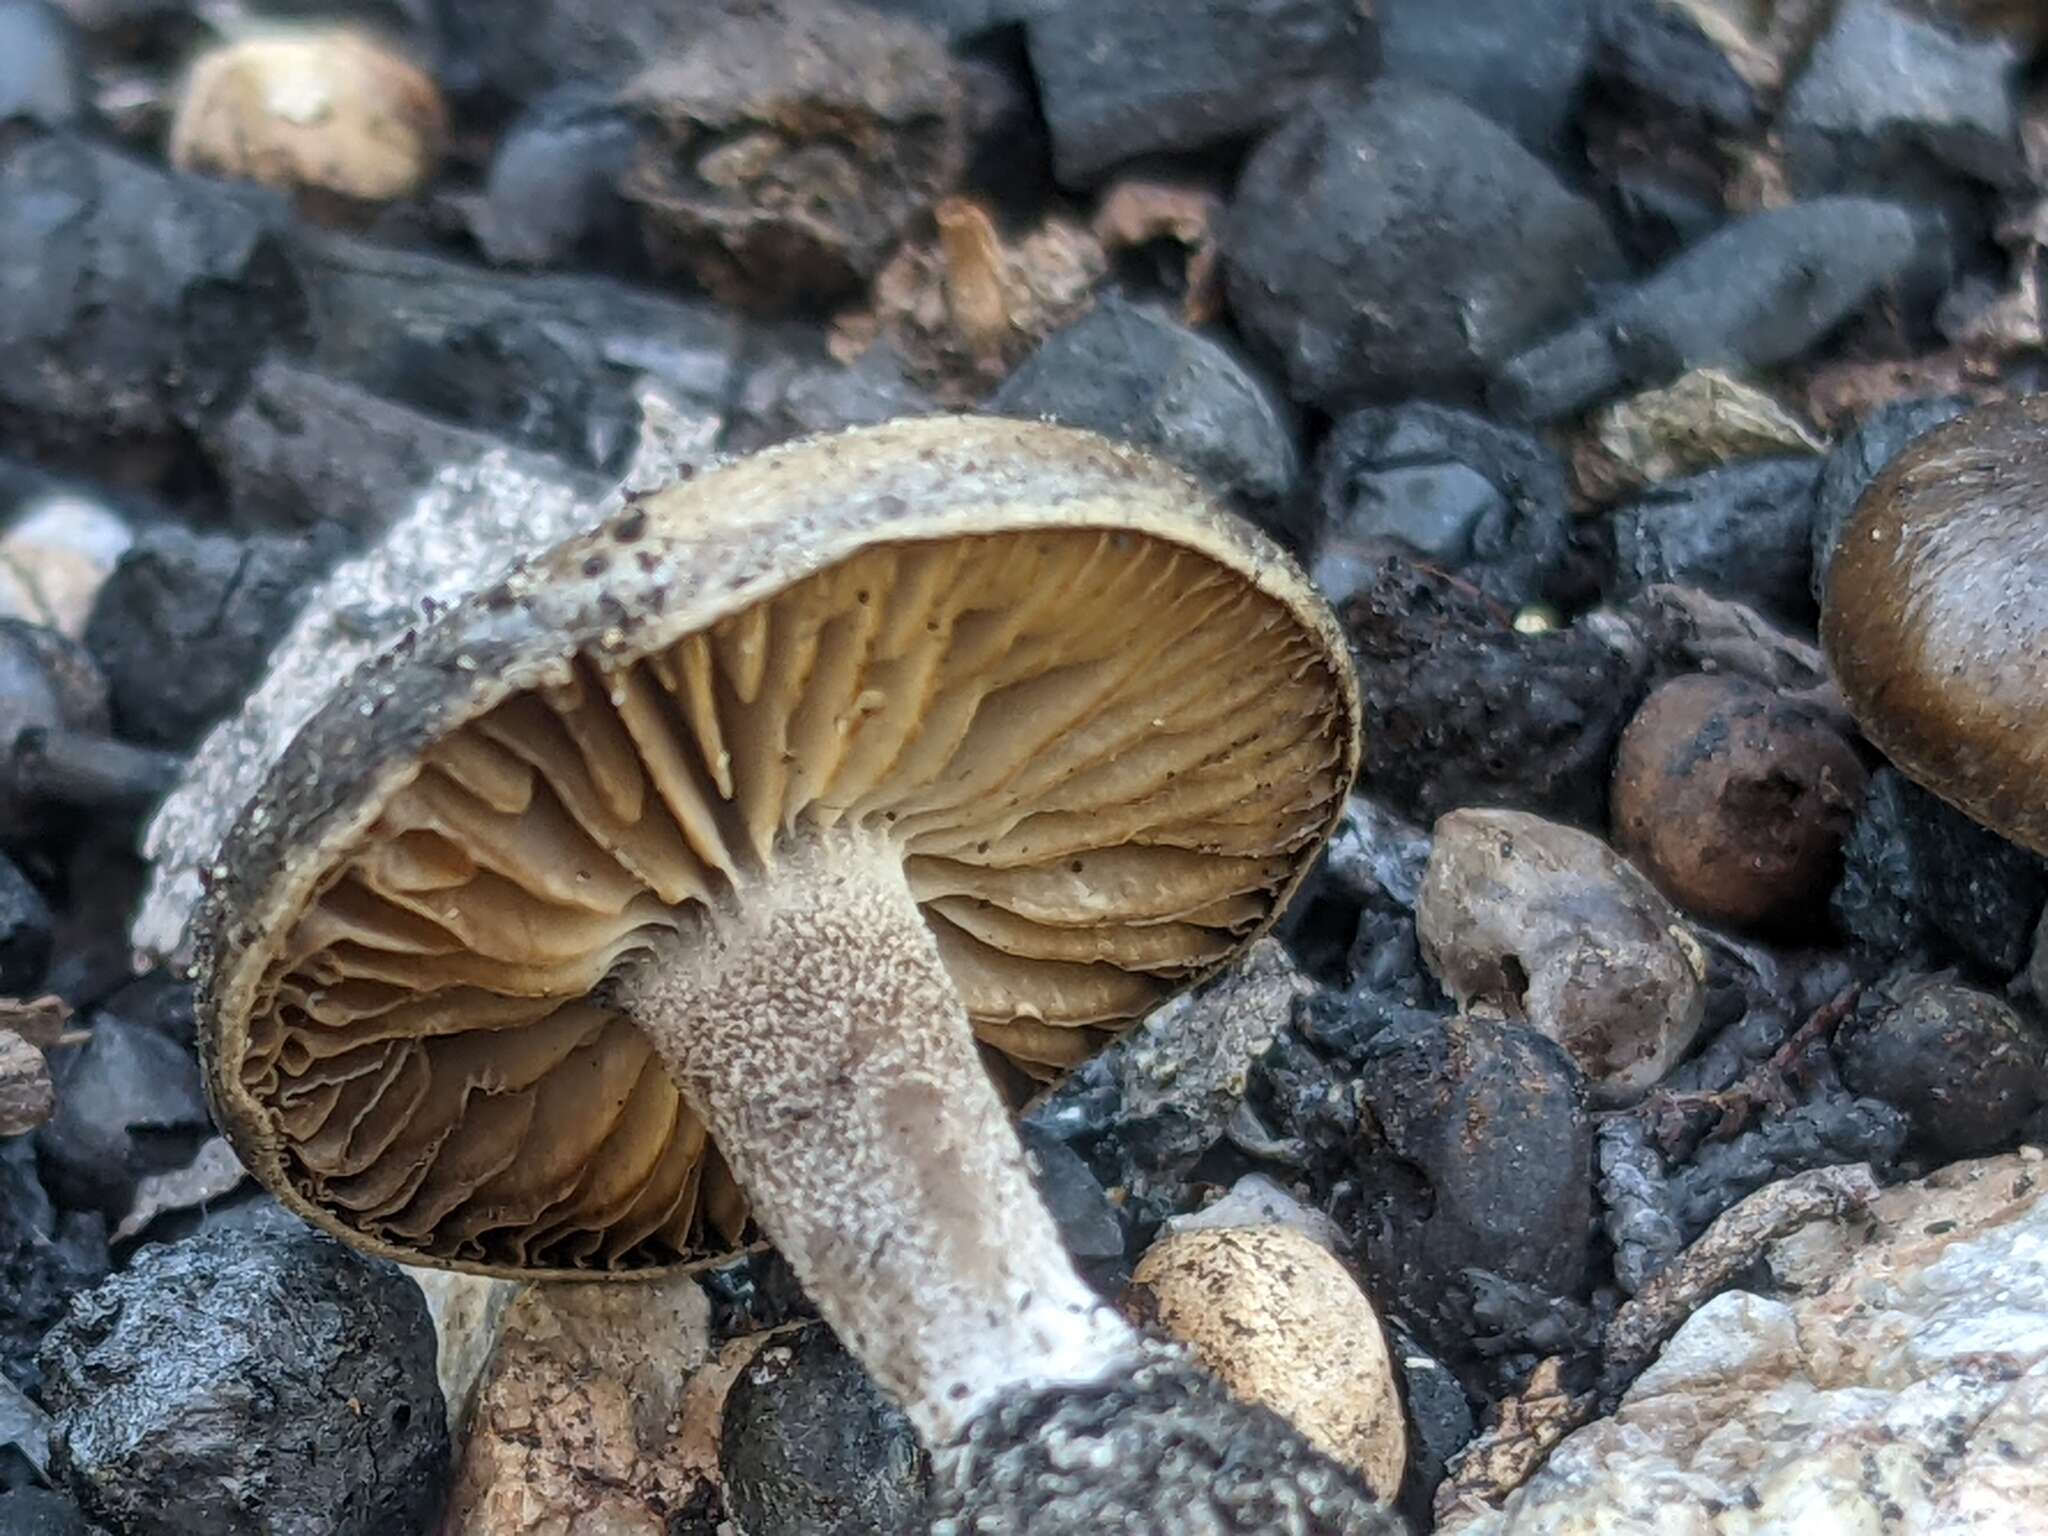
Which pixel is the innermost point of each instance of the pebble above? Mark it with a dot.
(41, 78)
(236, 1373)
(812, 1448)
(55, 555)
(129, 1104)
(789, 148)
(1735, 801)
(1859, 458)
(1440, 1423)
(46, 1256)
(1461, 708)
(1548, 925)
(1965, 1066)
(551, 193)
(1892, 99)
(1922, 881)
(1891, 1379)
(1280, 1321)
(1090, 1228)
(140, 298)
(1157, 76)
(1521, 62)
(575, 1419)
(1743, 531)
(1132, 372)
(315, 110)
(1475, 1155)
(1755, 293)
(1832, 1130)
(24, 932)
(183, 626)
(1393, 242)
(1636, 1202)
(1445, 487)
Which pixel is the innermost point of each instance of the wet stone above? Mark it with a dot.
(46, 1256)
(1753, 294)
(40, 78)
(1743, 531)
(1520, 62)
(1889, 98)
(812, 1448)
(129, 1104)
(1859, 458)
(184, 624)
(230, 1374)
(1393, 242)
(1921, 880)
(1966, 1067)
(1152, 76)
(1463, 709)
(1446, 487)
(1832, 1130)
(1132, 372)
(24, 932)
(1474, 1154)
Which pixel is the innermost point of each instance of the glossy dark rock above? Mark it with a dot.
(1935, 617)
(1393, 242)
(1463, 709)
(237, 1382)
(812, 1448)
(46, 1257)
(1475, 1154)
(1751, 295)
(1859, 458)
(24, 932)
(1964, 1065)
(1446, 487)
(1149, 76)
(1133, 372)
(184, 624)
(1735, 801)
(1831, 1130)
(1743, 531)
(129, 1104)
(1521, 62)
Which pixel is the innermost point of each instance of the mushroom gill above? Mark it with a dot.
(1101, 756)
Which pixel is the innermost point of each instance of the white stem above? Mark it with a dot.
(813, 1024)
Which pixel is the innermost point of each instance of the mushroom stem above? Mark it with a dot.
(810, 1020)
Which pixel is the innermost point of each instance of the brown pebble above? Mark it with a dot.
(1735, 801)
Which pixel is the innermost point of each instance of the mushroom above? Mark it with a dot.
(1934, 619)
(718, 870)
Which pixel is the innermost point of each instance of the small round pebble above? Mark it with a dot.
(1281, 1322)
(1966, 1067)
(1735, 801)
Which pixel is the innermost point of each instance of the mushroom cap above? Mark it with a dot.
(1936, 615)
(1107, 724)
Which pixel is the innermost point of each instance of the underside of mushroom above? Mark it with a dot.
(1089, 761)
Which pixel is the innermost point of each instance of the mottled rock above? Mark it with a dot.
(1393, 242)
(1635, 1202)
(1149, 76)
(233, 1374)
(1701, 420)
(1966, 1067)
(1735, 801)
(1831, 1131)
(1443, 486)
(45, 1258)
(1743, 531)
(812, 1448)
(1754, 294)
(182, 627)
(1257, 1201)
(129, 1104)
(1548, 925)
(1132, 372)
(1857, 460)
(788, 148)
(1896, 1383)
(1463, 709)
(468, 1313)
(1476, 1155)
(1280, 1321)
(1375, 853)
(55, 556)
(1919, 878)
(1521, 62)
(1888, 97)
(574, 1427)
